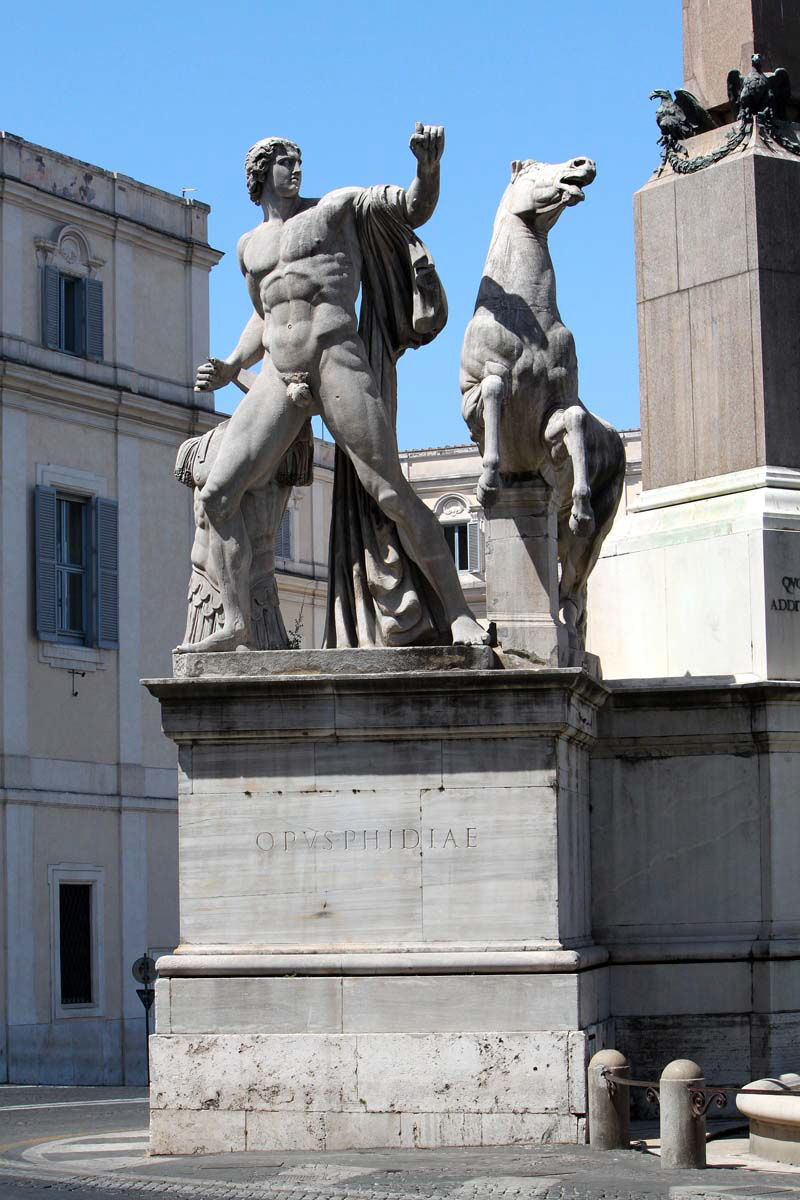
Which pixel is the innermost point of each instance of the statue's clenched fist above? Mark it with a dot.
(427, 144)
(214, 374)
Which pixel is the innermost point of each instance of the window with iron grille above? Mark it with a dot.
(75, 943)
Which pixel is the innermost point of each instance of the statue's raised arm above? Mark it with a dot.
(427, 146)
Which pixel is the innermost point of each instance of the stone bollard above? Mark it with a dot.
(683, 1134)
(609, 1109)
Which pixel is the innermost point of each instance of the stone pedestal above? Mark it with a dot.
(385, 908)
(703, 578)
(522, 573)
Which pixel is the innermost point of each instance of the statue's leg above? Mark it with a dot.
(263, 511)
(567, 427)
(573, 554)
(355, 413)
(494, 393)
(257, 436)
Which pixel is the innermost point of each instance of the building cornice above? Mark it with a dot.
(97, 404)
(110, 224)
(25, 361)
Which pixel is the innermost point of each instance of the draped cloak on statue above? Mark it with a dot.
(377, 595)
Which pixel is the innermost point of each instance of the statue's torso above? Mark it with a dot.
(307, 273)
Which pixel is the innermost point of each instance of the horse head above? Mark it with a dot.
(539, 192)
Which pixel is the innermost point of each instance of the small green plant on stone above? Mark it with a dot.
(295, 635)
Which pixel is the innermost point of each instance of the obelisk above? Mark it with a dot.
(721, 34)
(700, 580)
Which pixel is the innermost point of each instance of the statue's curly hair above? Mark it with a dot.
(257, 162)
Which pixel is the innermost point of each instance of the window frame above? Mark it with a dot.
(76, 293)
(86, 486)
(460, 547)
(84, 873)
(453, 509)
(287, 517)
(77, 302)
(84, 637)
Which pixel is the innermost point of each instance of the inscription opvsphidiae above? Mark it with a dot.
(287, 840)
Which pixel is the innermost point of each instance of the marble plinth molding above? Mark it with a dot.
(703, 578)
(385, 909)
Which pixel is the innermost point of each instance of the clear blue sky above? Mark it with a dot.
(173, 94)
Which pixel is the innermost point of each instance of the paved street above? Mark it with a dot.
(92, 1142)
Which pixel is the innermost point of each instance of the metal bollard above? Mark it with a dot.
(609, 1107)
(683, 1133)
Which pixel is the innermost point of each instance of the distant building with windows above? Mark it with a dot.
(445, 477)
(103, 319)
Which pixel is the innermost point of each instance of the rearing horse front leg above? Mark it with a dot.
(568, 426)
(494, 388)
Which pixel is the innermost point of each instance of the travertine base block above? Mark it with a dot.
(385, 925)
(328, 1091)
(703, 579)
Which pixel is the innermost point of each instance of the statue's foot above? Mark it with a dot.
(467, 632)
(581, 519)
(488, 487)
(581, 524)
(222, 639)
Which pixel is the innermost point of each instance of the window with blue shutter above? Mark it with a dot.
(107, 573)
(94, 318)
(51, 308)
(474, 545)
(72, 313)
(76, 555)
(44, 512)
(283, 539)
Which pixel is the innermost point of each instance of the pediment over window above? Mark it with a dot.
(451, 508)
(69, 251)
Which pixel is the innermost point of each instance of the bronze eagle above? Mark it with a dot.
(760, 91)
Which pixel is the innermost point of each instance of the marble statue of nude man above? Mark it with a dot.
(302, 264)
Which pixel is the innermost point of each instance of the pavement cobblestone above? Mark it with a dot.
(56, 1142)
(508, 1188)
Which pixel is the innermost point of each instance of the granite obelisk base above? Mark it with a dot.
(385, 927)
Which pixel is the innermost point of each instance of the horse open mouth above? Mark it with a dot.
(573, 181)
(572, 193)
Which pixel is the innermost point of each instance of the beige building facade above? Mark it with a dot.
(103, 317)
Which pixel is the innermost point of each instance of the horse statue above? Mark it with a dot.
(519, 382)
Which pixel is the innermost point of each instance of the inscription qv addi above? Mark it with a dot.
(287, 840)
(791, 601)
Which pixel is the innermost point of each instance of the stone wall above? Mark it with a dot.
(695, 890)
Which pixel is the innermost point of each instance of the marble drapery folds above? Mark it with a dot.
(377, 596)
